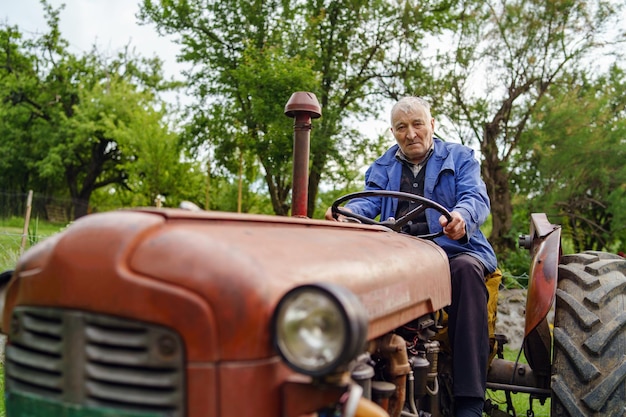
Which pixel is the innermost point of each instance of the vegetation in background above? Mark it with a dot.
(76, 124)
(507, 77)
(506, 57)
(248, 59)
(576, 147)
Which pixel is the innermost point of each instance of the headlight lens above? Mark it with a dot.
(317, 328)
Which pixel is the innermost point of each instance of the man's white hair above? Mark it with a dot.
(409, 104)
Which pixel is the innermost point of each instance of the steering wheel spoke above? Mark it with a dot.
(393, 224)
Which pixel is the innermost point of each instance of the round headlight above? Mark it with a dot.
(318, 328)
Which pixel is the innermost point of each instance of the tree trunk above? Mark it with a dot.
(81, 207)
(496, 179)
(314, 182)
(321, 146)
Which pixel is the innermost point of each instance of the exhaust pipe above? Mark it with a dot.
(302, 106)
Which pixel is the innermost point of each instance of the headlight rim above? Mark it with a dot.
(352, 313)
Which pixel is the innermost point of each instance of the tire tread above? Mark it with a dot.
(589, 365)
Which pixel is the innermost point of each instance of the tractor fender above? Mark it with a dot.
(543, 279)
(546, 253)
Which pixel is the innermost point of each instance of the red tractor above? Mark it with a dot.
(172, 312)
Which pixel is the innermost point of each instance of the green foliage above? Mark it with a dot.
(9, 255)
(92, 129)
(249, 60)
(576, 151)
(245, 78)
(75, 125)
(507, 56)
(327, 197)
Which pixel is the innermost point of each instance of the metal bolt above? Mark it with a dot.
(166, 345)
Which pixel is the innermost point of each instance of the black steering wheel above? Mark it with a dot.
(394, 224)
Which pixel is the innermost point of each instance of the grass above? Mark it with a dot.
(521, 402)
(12, 236)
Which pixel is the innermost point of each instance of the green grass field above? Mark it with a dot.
(12, 237)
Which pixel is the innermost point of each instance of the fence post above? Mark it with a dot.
(29, 203)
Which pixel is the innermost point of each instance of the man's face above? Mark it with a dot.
(413, 132)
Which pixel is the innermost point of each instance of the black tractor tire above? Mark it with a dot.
(589, 365)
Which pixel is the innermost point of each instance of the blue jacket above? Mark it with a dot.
(453, 180)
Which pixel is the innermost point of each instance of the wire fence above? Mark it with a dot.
(44, 207)
(27, 218)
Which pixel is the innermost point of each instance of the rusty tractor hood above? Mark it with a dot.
(216, 277)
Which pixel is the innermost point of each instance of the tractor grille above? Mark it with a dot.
(95, 360)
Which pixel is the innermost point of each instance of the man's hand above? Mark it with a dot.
(455, 229)
(329, 215)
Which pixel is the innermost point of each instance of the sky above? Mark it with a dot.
(109, 24)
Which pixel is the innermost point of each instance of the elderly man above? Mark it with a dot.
(448, 174)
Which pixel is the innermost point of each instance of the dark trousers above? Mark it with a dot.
(467, 326)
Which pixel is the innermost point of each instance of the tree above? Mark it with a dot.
(515, 51)
(67, 114)
(251, 56)
(20, 112)
(571, 159)
(150, 157)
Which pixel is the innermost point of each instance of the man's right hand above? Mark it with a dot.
(454, 229)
